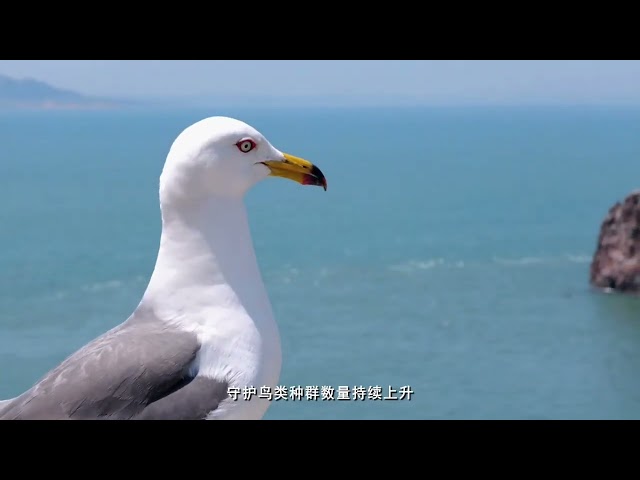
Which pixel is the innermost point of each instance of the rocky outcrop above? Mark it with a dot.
(616, 262)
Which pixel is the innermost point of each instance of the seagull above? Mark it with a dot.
(204, 324)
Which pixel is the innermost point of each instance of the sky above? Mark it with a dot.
(429, 81)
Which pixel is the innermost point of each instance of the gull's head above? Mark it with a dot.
(224, 157)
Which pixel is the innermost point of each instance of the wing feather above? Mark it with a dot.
(140, 369)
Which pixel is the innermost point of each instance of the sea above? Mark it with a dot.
(444, 274)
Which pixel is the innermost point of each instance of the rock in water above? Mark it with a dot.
(616, 262)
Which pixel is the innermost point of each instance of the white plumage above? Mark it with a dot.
(205, 321)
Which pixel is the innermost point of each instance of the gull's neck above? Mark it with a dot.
(206, 260)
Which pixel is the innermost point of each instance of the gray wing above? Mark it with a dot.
(138, 370)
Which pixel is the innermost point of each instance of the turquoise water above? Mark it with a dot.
(449, 254)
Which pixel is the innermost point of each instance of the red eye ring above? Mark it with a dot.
(246, 145)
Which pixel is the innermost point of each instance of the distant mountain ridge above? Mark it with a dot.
(35, 94)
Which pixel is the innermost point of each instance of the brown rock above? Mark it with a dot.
(616, 262)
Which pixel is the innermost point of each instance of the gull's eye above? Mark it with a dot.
(245, 146)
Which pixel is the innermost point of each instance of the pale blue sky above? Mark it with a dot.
(432, 81)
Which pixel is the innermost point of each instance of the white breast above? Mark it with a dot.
(243, 351)
(207, 281)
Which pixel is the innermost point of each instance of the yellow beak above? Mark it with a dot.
(297, 169)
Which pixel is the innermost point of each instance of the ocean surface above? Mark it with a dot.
(449, 256)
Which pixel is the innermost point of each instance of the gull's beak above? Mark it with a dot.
(297, 169)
